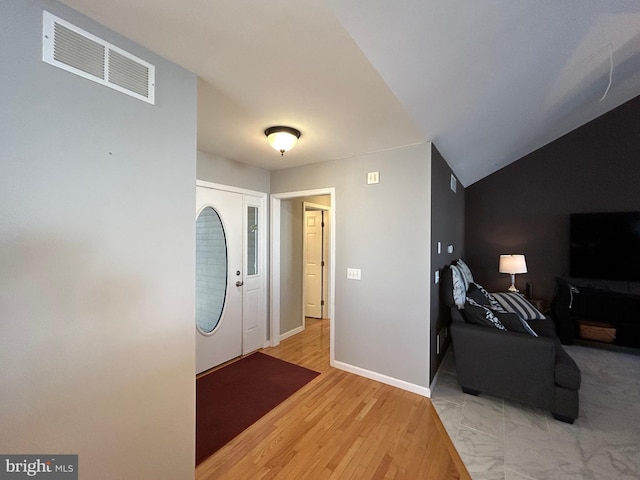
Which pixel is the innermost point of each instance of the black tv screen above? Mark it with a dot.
(605, 246)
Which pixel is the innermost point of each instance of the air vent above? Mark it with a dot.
(71, 48)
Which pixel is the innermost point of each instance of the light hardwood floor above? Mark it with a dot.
(339, 426)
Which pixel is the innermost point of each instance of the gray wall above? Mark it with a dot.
(96, 260)
(216, 169)
(525, 207)
(447, 227)
(381, 322)
(291, 308)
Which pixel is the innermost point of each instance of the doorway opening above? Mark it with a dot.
(287, 266)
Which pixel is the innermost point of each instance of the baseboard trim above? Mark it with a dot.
(291, 333)
(379, 377)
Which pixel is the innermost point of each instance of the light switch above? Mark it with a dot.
(354, 274)
(439, 248)
(450, 249)
(436, 277)
(373, 178)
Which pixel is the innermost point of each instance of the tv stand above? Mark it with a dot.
(617, 314)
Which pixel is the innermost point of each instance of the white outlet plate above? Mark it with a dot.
(354, 274)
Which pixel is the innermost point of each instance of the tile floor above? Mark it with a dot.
(503, 440)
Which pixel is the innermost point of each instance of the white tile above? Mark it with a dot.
(480, 452)
(450, 415)
(529, 451)
(511, 475)
(526, 415)
(485, 414)
(525, 443)
(448, 388)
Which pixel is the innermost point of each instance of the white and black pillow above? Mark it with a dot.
(481, 315)
(511, 321)
(480, 295)
(517, 303)
(466, 271)
(459, 286)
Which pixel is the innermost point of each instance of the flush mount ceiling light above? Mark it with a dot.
(282, 138)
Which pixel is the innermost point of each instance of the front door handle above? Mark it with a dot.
(239, 283)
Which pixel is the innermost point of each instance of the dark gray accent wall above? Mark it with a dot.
(525, 207)
(447, 227)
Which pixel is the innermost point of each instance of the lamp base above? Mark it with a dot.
(513, 288)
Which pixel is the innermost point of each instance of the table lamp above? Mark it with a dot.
(513, 264)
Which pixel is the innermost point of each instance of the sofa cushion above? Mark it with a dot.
(567, 373)
(459, 286)
(544, 328)
(512, 321)
(480, 315)
(466, 271)
(480, 295)
(517, 303)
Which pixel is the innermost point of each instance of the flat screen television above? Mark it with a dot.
(605, 246)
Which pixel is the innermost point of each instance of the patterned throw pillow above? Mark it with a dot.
(459, 287)
(511, 321)
(480, 295)
(466, 272)
(480, 315)
(517, 303)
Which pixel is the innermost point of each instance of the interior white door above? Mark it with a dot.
(313, 263)
(218, 277)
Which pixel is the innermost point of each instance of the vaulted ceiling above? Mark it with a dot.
(487, 80)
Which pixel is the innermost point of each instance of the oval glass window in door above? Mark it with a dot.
(211, 270)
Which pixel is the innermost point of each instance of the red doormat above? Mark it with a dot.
(231, 399)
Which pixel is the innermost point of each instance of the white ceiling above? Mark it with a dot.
(487, 80)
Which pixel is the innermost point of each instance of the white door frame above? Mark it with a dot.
(274, 333)
(263, 264)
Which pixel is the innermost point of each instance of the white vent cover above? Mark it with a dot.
(72, 49)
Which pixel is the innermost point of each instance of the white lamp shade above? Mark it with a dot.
(282, 139)
(513, 264)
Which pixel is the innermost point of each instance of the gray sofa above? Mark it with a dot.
(504, 354)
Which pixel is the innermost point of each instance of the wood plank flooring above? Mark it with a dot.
(339, 426)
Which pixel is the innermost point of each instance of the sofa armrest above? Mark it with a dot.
(506, 364)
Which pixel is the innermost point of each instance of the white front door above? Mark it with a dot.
(313, 280)
(253, 307)
(219, 277)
